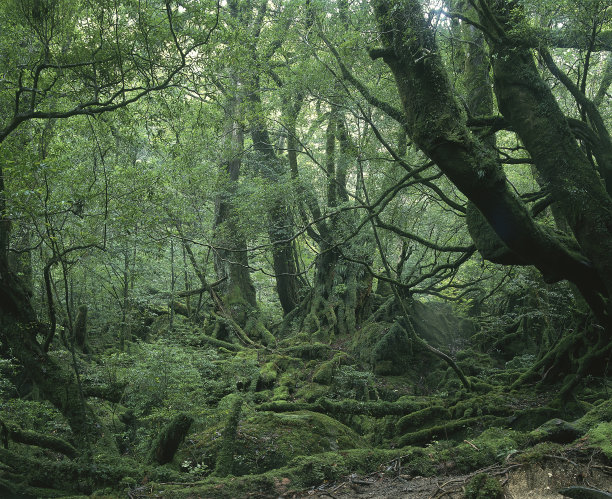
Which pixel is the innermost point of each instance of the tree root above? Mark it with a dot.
(29, 437)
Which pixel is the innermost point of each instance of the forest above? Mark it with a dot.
(295, 248)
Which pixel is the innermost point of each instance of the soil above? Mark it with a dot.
(540, 480)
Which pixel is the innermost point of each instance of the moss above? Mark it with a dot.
(492, 446)
(324, 373)
(481, 405)
(269, 440)
(9, 489)
(310, 392)
(258, 332)
(281, 393)
(225, 458)
(537, 452)
(384, 346)
(376, 409)
(424, 417)
(601, 437)
(208, 340)
(473, 363)
(34, 438)
(283, 406)
(555, 430)
(309, 351)
(300, 473)
(372, 408)
(165, 445)
(290, 379)
(529, 419)
(599, 413)
(447, 430)
(285, 362)
(267, 376)
(483, 486)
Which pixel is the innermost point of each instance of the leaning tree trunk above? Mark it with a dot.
(528, 104)
(437, 124)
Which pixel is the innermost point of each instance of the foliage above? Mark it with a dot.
(306, 243)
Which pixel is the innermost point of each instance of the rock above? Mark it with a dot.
(556, 430)
(578, 492)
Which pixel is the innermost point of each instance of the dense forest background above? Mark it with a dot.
(251, 247)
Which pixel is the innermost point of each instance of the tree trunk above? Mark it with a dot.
(231, 257)
(280, 225)
(437, 124)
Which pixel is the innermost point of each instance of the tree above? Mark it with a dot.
(434, 119)
(77, 59)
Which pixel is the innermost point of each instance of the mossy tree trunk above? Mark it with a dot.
(231, 257)
(80, 329)
(167, 442)
(437, 124)
(280, 225)
(528, 104)
(341, 289)
(19, 329)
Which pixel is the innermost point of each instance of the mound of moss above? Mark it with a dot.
(269, 440)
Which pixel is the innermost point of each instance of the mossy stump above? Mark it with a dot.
(167, 442)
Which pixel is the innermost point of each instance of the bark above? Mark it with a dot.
(80, 329)
(280, 226)
(169, 439)
(29, 437)
(231, 258)
(530, 107)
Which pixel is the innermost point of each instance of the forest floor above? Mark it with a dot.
(367, 417)
(540, 480)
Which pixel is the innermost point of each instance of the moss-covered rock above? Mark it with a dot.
(422, 419)
(600, 437)
(492, 446)
(270, 440)
(386, 347)
(600, 412)
(267, 376)
(555, 430)
(309, 351)
(299, 473)
(310, 392)
(531, 418)
(481, 405)
(324, 373)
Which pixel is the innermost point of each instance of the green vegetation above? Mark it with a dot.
(253, 247)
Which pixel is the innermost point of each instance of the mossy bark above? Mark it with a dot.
(19, 329)
(29, 437)
(528, 104)
(231, 257)
(80, 330)
(225, 458)
(167, 442)
(279, 218)
(437, 124)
